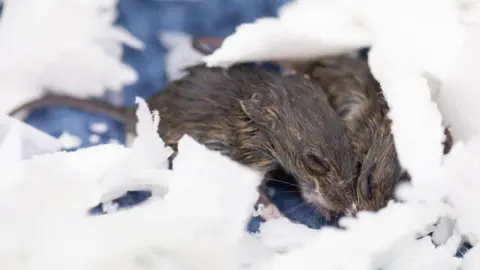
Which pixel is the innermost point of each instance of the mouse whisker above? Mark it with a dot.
(312, 215)
(318, 210)
(294, 208)
(283, 182)
(287, 191)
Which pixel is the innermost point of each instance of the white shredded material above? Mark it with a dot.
(282, 236)
(180, 54)
(46, 226)
(114, 141)
(68, 46)
(259, 211)
(443, 231)
(94, 139)
(33, 141)
(197, 217)
(69, 141)
(99, 127)
(109, 207)
(304, 30)
(435, 42)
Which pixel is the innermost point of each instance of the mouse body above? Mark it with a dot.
(352, 92)
(258, 118)
(358, 99)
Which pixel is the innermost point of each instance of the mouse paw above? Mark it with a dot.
(266, 209)
(271, 212)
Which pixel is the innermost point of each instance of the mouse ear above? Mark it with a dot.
(254, 108)
(366, 186)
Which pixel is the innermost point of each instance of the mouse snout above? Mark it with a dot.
(327, 194)
(375, 188)
(371, 205)
(312, 194)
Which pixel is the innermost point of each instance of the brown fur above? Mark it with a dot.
(263, 120)
(353, 93)
(357, 97)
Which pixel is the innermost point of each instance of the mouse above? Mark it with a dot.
(358, 99)
(353, 93)
(381, 171)
(256, 117)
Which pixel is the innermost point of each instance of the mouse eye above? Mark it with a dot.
(358, 168)
(366, 187)
(315, 163)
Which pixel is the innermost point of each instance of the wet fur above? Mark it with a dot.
(353, 93)
(357, 97)
(265, 121)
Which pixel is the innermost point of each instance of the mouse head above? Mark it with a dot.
(380, 173)
(306, 137)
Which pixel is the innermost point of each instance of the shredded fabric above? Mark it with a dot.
(195, 216)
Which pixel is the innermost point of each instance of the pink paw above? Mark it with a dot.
(271, 212)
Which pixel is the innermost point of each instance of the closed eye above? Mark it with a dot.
(358, 168)
(367, 187)
(315, 163)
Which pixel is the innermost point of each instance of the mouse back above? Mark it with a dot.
(307, 138)
(261, 119)
(206, 104)
(353, 92)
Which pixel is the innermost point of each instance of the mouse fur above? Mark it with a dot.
(261, 119)
(358, 99)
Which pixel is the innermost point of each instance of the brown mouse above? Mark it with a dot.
(256, 117)
(357, 97)
(381, 170)
(352, 92)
